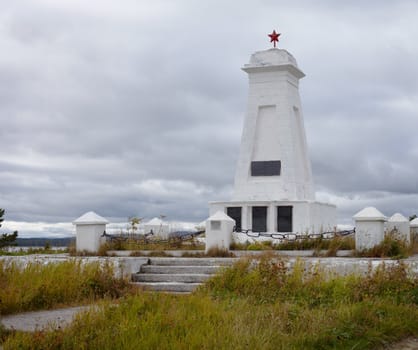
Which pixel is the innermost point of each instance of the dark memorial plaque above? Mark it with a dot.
(284, 219)
(259, 219)
(235, 213)
(266, 168)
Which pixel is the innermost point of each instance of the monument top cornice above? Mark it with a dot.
(271, 60)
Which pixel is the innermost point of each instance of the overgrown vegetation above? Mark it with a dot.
(39, 286)
(251, 306)
(142, 245)
(331, 245)
(390, 247)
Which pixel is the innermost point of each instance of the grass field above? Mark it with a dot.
(251, 306)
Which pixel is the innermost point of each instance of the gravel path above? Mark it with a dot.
(37, 320)
(406, 344)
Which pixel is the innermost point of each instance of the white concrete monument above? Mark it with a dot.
(399, 225)
(370, 228)
(274, 190)
(89, 230)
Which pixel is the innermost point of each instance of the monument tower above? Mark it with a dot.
(273, 190)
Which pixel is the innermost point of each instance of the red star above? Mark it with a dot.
(274, 37)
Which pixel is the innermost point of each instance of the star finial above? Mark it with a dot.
(274, 37)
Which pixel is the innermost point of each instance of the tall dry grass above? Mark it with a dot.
(39, 286)
(253, 305)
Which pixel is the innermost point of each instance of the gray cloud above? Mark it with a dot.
(137, 108)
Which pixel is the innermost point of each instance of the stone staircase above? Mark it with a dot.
(177, 275)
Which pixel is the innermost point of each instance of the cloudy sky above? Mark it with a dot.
(135, 107)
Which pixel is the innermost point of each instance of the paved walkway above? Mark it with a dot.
(407, 344)
(37, 320)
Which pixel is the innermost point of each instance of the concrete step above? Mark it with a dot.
(160, 277)
(172, 287)
(177, 275)
(192, 261)
(170, 270)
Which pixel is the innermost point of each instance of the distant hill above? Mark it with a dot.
(41, 241)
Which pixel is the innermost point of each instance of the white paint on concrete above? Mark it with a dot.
(369, 213)
(89, 230)
(122, 266)
(400, 227)
(274, 131)
(90, 218)
(414, 226)
(370, 228)
(308, 216)
(219, 228)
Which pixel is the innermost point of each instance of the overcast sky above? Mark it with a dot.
(136, 107)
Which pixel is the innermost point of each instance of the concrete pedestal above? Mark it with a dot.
(370, 228)
(305, 217)
(414, 226)
(219, 231)
(89, 230)
(399, 226)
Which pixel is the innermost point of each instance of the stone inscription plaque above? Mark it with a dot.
(266, 168)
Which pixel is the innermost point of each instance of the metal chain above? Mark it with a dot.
(150, 238)
(289, 236)
(182, 236)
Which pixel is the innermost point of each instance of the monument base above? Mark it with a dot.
(302, 217)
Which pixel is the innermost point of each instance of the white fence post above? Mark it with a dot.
(219, 231)
(89, 229)
(370, 228)
(399, 225)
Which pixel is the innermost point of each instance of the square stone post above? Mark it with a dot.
(219, 231)
(414, 229)
(89, 229)
(399, 225)
(370, 228)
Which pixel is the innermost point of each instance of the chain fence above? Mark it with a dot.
(183, 236)
(151, 238)
(291, 237)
